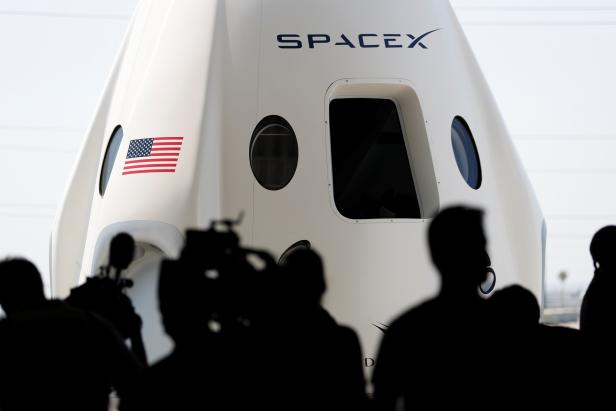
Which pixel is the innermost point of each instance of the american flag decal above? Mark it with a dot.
(152, 155)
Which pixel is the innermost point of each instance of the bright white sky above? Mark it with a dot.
(550, 64)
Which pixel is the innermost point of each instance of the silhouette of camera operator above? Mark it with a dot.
(54, 356)
(104, 295)
(210, 305)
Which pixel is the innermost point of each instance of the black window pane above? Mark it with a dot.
(273, 153)
(110, 155)
(465, 152)
(370, 163)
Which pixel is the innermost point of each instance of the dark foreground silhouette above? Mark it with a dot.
(104, 294)
(435, 352)
(248, 338)
(53, 356)
(250, 334)
(598, 311)
(323, 359)
(533, 360)
(597, 316)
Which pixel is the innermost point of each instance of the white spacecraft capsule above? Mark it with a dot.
(336, 124)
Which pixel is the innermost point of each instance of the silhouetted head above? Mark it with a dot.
(458, 248)
(603, 248)
(306, 276)
(20, 284)
(121, 251)
(514, 307)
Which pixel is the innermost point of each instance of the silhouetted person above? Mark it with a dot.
(515, 310)
(198, 373)
(53, 356)
(514, 314)
(430, 355)
(534, 361)
(104, 295)
(319, 361)
(598, 313)
(203, 301)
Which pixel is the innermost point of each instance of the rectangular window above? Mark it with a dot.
(370, 164)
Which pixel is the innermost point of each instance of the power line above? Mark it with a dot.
(17, 127)
(28, 205)
(563, 137)
(571, 170)
(545, 23)
(581, 217)
(27, 215)
(121, 17)
(39, 149)
(529, 8)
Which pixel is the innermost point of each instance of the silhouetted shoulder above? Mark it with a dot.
(420, 315)
(560, 331)
(348, 342)
(52, 339)
(394, 350)
(598, 311)
(560, 339)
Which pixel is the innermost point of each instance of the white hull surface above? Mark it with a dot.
(210, 71)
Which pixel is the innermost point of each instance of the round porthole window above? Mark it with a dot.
(465, 151)
(300, 245)
(273, 153)
(110, 155)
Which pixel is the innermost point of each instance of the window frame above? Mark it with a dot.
(405, 140)
(410, 106)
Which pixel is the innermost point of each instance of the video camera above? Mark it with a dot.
(217, 286)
